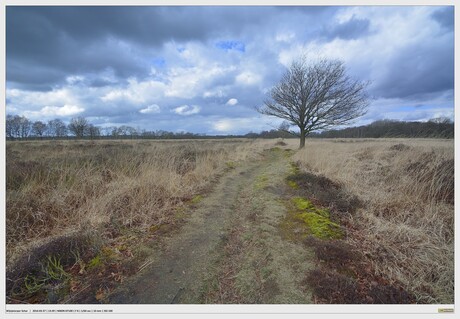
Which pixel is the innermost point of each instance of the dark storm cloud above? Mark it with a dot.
(78, 39)
(28, 27)
(418, 70)
(100, 83)
(445, 17)
(38, 40)
(33, 77)
(82, 39)
(352, 29)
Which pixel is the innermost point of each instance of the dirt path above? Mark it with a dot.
(230, 250)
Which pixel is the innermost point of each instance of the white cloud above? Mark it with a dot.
(75, 79)
(62, 111)
(214, 93)
(223, 125)
(115, 94)
(13, 93)
(50, 111)
(59, 102)
(187, 109)
(238, 125)
(232, 102)
(63, 96)
(248, 78)
(188, 82)
(285, 36)
(136, 92)
(154, 108)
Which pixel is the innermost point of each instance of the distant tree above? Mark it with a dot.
(12, 126)
(121, 130)
(93, 131)
(394, 128)
(124, 130)
(78, 126)
(316, 96)
(24, 127)
(106, 131)
(285, 126)
(131, 131)
(161, 133)
(17, 126)
(57, 128)
(114, 131)
(441, 120)
(39, 128)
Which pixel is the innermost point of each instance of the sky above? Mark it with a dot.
(204, 69)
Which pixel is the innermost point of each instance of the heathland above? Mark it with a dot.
(230, 221)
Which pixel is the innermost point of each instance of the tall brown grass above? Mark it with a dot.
(64, 187)
(406, 225)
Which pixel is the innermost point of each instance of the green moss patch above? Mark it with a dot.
(320, 226)
(261, 181)
(294, 170)
(293, 184)
(303, 204)
(196, 199)
(275, 150)
(316, 219)
(305, 219)
(230, 165)
(95, 262)
(288, 153)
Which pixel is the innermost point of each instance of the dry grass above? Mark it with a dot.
(405, 226)
(57, 189)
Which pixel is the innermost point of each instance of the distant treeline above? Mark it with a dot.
(435, 128)
(19, 127)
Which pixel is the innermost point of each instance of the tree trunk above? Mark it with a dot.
(302, 138)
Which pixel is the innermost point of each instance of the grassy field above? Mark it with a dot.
(81, 196)
(86, 207)
(405, 225)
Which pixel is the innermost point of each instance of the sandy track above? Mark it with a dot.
(230, 249)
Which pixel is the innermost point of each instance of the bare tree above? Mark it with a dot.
(17, 126)
(39, 128)
(57, 128)
(93, 131)
(316, 96)
(25, 126)
(78, 126)
(11, 126)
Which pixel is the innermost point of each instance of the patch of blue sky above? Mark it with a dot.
(159, 62)
(231, 45)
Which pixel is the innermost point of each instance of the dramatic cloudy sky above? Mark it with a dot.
(204, 69)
